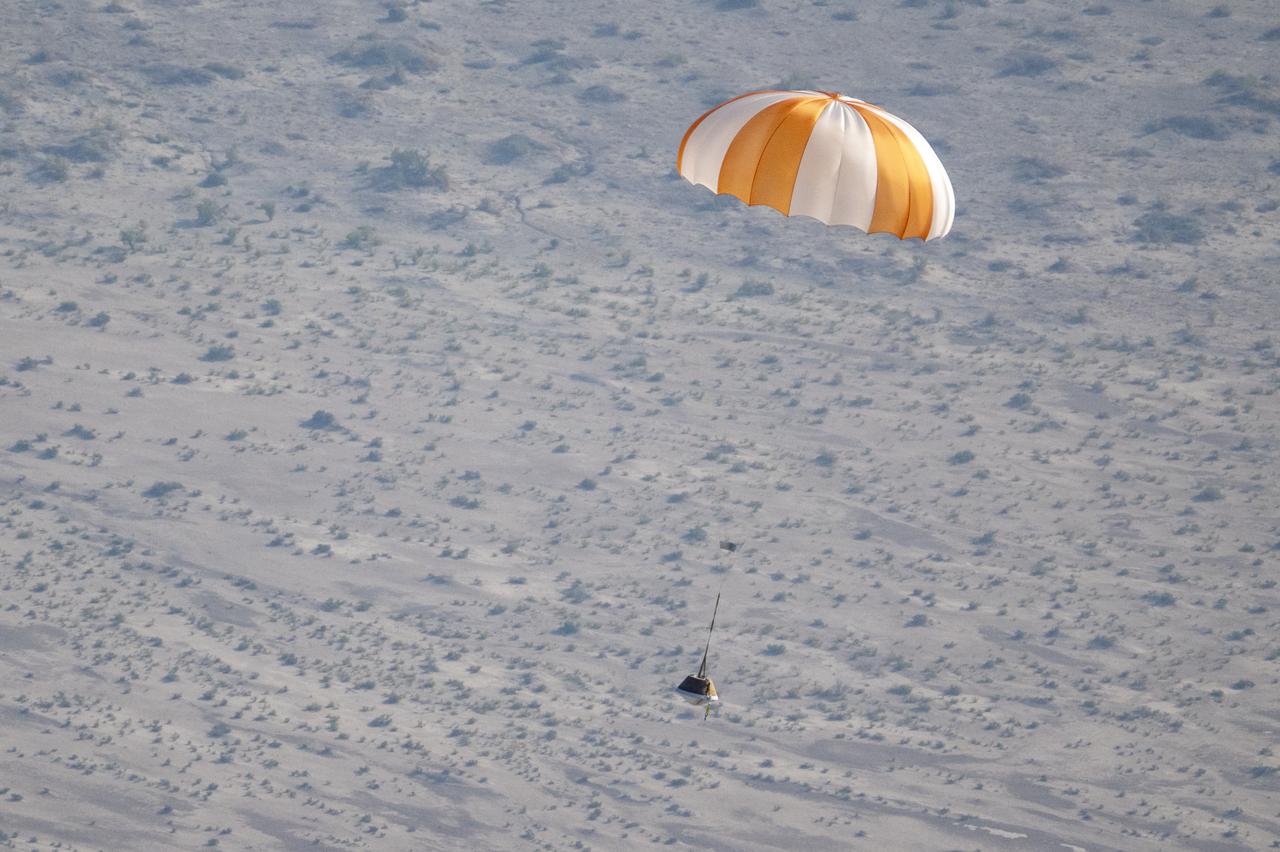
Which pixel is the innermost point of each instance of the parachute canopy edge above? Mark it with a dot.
(837, 159)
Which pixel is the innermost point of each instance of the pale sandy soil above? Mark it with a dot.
(1008, 501)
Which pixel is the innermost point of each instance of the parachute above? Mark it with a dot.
(837, 159)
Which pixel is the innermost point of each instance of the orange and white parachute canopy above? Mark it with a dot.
(840, 160)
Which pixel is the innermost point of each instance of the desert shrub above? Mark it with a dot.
(165, 74)
(442, 219)
(98, 320)
(1034, 170)
(749, 289)
(1208, 494)
(1244, 90)
(1026, 65)
(9, 104)
(602, 94)
(321, 420)
(225, 71)
(363, 237)
(382, 82)
(564, 172)
(544, 50)
(1019, 401)
(1159, 599)
(134, 237)
(1192, 126)
(1158, 226)
(510, 148)
(162, 489)
(694, 535)
(218, 352)
(962, 457)
(213, 179)
(353, 105)
(409, 169)
(209, 213)
(576, 593)
(52, 170)
(930, 90)
(372, 52)
(92, 147)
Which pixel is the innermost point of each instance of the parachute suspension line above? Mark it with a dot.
(702, 669)
(730, 547)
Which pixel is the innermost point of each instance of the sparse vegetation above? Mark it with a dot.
(409, 169)
(161, 489)
(602, 94)
(53, 170)
(373, 52)
(1161, 227)
(362, 238)
(383, 508)
(322, 421)
(164, 74)
(1026, 65)
(209, 213)
(510, 148)
(218, 352)
(134, 237)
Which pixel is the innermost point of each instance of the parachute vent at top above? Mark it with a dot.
(839, 160)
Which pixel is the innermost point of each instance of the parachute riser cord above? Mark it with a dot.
(731, 548)
(702, 669)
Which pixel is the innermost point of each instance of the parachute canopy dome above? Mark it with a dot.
(840, 160)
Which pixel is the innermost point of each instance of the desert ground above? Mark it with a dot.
(374, 395)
